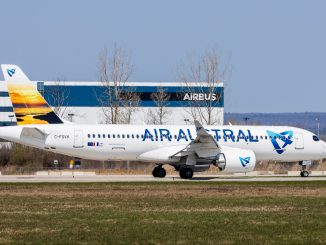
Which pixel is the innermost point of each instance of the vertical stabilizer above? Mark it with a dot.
(29, 105)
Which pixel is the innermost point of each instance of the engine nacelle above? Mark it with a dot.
(235, 160)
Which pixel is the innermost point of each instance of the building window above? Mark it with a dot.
(40, 87)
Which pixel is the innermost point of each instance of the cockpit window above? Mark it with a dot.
(315, 138)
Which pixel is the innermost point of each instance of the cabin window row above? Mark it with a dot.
(132, 136)
(137, 136)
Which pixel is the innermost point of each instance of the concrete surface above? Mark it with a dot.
(147, 178)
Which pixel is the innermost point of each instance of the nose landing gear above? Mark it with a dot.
(304, 172)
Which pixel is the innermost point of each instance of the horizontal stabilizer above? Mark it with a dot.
(34, 133)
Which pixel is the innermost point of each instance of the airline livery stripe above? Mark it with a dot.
(4, 94)
(6, 109)
(6, 123)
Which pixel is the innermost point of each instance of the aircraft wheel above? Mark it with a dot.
(159, 172)
(186, 173)
(304, 173)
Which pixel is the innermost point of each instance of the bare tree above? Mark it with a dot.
(201, 78)
(59, 95)
(159, 115)
(130, 102)
(114, 70)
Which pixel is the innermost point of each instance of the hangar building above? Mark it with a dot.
(80, 103)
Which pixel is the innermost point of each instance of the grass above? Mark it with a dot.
(164, 213)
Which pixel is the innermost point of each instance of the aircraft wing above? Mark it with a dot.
(203, 146)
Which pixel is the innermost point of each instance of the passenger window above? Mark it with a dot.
(93, 135)
(103, 135)
(265, 137)
(137, 136)
(99, 136)
(118, 135)
(123, 136)
(113, 136)
(89, 135)
(128, 136)
(132, 136)
(109, 136)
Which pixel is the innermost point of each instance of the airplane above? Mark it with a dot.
(189, 149)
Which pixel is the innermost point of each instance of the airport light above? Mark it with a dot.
(246, 120)
(318, 125)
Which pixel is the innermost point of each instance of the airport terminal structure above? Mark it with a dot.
(80, 103)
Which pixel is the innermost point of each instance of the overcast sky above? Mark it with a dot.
(277, 48)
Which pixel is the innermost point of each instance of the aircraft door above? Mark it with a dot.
(78, 139)
(299, 143)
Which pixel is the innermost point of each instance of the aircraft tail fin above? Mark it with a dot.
(29, 105)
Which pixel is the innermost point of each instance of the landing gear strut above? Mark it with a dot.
(159, 172)
(186, 173)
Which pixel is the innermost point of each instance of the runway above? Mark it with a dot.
(148, 178)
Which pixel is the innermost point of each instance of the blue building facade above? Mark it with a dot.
(88, 96)
(83, 101)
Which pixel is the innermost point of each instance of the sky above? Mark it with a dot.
(276, 49)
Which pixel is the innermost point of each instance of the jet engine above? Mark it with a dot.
(235, 160)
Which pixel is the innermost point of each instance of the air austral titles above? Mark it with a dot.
(188, 148)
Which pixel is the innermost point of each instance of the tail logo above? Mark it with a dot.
(281, 140)
(11, 72)
(244, 161)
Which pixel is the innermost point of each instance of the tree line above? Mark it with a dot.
(197, 74)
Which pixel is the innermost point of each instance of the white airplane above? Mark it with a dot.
(188, 148)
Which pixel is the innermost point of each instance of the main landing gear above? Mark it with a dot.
(159, 172)
(186, 173)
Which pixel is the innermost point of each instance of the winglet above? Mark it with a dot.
(200, 129)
